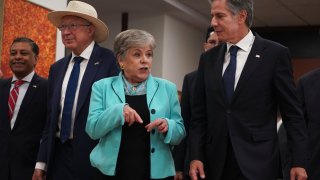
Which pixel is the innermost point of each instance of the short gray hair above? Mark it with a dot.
(132, 38)
(238, 5)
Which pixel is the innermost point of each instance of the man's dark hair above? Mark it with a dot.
(238, 5)
(34, 46)
(209, 30)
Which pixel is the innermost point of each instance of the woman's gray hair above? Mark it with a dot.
(238, 5)
(132, 38)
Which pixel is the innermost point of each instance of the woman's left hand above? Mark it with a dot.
(160, 124)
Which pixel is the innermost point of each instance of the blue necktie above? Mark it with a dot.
(69, 100)
(229, 73)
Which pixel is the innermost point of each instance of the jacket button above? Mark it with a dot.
(153, 111)
(152, 150)
(153, 131)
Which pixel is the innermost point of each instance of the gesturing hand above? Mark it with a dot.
(298, 173)
(160, 124)
(196, 170)
(131, 116)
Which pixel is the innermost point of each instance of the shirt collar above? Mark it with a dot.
(27, 78)
(134, 90)
(245, 43)
(86, 53)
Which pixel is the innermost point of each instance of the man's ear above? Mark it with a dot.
(36, 60)
(91, 31)
(242, 16)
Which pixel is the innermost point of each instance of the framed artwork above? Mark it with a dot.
(1, 27)
(17, 21)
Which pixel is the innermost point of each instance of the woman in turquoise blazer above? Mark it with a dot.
(136, 116)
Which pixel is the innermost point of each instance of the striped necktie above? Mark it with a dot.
(14, 93)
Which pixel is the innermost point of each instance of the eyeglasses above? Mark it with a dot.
(71, 27)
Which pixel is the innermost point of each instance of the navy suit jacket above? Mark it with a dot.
(101, 64)
(309, 88)
(180, 152)
(249, 121)
(19, 146)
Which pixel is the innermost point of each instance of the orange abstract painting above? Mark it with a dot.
(22, 18)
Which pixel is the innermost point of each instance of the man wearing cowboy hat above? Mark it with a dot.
(65, 147)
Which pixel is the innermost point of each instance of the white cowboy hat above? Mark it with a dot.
(85, 11)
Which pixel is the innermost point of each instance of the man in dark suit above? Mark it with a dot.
(65, 147)
(23, 103)
(308, 89)
(180, 152)
(233, 132)
(285, 159)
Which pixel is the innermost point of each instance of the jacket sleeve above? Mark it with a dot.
(103, 117)
(176, 131)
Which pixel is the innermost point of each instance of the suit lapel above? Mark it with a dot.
(57, 78)
(213, 76)
(218, 75)
(89, 77)
(4, 96)
(29, 96)
(152, 87)
(254, 59)
(118, 88)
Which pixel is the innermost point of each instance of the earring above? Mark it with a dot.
(121, 66)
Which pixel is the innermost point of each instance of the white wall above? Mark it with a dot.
(179, 45)
(153, 23)
(113, 21)
(182, 48)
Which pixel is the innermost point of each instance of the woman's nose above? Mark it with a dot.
(143, 59)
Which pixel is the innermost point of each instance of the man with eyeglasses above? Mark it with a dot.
(65, 147)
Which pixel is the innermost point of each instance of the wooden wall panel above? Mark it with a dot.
(302, 66)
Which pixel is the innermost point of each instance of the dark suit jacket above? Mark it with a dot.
(19, 146)
(249, 121)
(309, 88)
(180, 152)
(101, 64)
(285, 156)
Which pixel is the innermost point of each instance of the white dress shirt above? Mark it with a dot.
(244, 45)
(22, 92)
(83, 65)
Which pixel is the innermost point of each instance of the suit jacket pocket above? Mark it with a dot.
(262, 136)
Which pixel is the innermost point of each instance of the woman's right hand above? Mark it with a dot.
(131, 116)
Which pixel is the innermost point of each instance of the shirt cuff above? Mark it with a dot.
(41, 166)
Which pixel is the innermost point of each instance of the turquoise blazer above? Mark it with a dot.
(105, 121)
